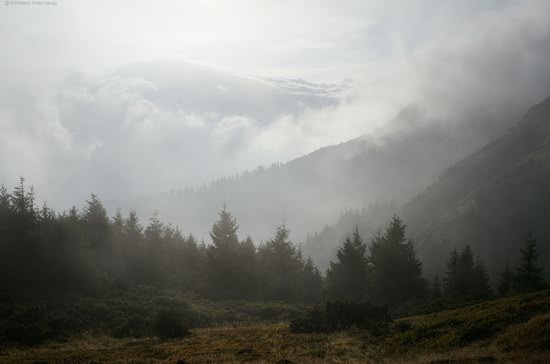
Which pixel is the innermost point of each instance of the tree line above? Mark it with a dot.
(388, 271)
(88, 251)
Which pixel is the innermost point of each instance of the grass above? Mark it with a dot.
(481, 323)
(510, 330)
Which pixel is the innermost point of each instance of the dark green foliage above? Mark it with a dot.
(340, 316)
(505, 285)
(128, 313)
(97, 226)
(436, 289)
(284, 273)
(133, 326)
(346, 278)
(395, 272)
(466, 278)
(312, 282)
(452, 279)
(123, 314)
(528, 275)
(481, 285)
(169, 324)
(41, 251)
(227, 269)
(314, 321)
(281, 266)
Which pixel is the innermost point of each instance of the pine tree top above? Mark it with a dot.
(224, 231)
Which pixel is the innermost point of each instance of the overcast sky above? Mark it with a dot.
(126, 98)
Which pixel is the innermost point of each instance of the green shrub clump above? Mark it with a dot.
(169, 324)
(341, 316)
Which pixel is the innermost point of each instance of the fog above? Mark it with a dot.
(136, 99)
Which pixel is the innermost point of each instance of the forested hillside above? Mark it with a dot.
(488, 200)
(390, 164)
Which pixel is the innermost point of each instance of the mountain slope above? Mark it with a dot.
(490, 199)
(392, 164)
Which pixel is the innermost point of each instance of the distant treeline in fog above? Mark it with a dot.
(89, 252)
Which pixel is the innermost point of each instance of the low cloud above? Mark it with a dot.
(152, 126)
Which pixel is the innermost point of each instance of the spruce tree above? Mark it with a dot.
(22, 201)
(224, 231)
(223, 265)
(436, 289)
(528, 275)
(481, 286)
(347, 277)
(281, 264)
(118, 222)
(451, 279)
(154, 249)
(154, 230)
(248, 268)
(506, 283)
(97, 226)
(396, 273)
(312, 282)
(24, 244)
(190, 262)
(466, 272)
(133, 228)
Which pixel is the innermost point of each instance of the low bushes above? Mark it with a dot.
(342, 315)
(130, 313)
(169, 324)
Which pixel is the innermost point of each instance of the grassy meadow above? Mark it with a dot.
(509, 330)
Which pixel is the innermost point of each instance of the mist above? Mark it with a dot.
(188, 121)
(272, 122)
(274, 181)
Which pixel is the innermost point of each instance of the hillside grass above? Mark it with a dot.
(481, 323)
(509, 330)
(131, 313)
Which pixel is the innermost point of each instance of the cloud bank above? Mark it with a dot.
(130, 125)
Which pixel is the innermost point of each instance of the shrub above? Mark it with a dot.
(343, 315)
(314, 321)
(169, 324)
(135, 326)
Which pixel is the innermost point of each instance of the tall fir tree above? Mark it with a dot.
(452, 279)
(346, 279)
(436, 288)
(528, 275)
(24, 246)
(481, 286)
(249, 276)
(224, 267)
(312, 282)
(281, 264)
(466, 277)
(190, 263)
(117, 222)
(466, 272)
(396, 273)
(506, 283)
(97, 226)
